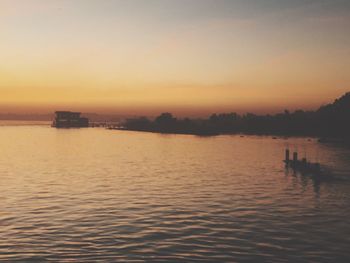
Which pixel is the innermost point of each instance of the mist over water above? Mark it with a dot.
(90, 195)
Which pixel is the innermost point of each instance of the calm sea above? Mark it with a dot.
(96, 195)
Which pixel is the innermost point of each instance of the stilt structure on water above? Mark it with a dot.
(68, 119)
(302, 166)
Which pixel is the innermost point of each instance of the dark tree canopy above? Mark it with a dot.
(332, 120)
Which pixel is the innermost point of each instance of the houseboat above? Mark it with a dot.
(68, 119)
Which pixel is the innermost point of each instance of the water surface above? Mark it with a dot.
(88, 195)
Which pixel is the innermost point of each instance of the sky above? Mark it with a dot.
(190, 57)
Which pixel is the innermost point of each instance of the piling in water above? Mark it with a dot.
(295, 157)
(287, 156)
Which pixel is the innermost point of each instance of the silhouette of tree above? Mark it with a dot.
(332, 120)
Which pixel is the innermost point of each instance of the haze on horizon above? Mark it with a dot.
(184, 56)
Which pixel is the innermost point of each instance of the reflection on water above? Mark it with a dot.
(95, 194)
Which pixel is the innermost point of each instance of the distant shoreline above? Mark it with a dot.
(332, 140)
(330, 122)
(325, 140)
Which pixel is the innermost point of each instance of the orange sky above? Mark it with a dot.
(188, 57)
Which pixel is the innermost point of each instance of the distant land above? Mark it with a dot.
(331, 120)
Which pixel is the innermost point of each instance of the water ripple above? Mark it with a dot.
(95, 195)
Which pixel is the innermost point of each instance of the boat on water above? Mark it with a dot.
(69, 119)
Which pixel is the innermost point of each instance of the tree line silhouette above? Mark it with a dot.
(332, 120)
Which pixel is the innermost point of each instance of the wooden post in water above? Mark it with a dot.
(295, 157)
(287, 156)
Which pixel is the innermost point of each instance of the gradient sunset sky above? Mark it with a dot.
(184, 56)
